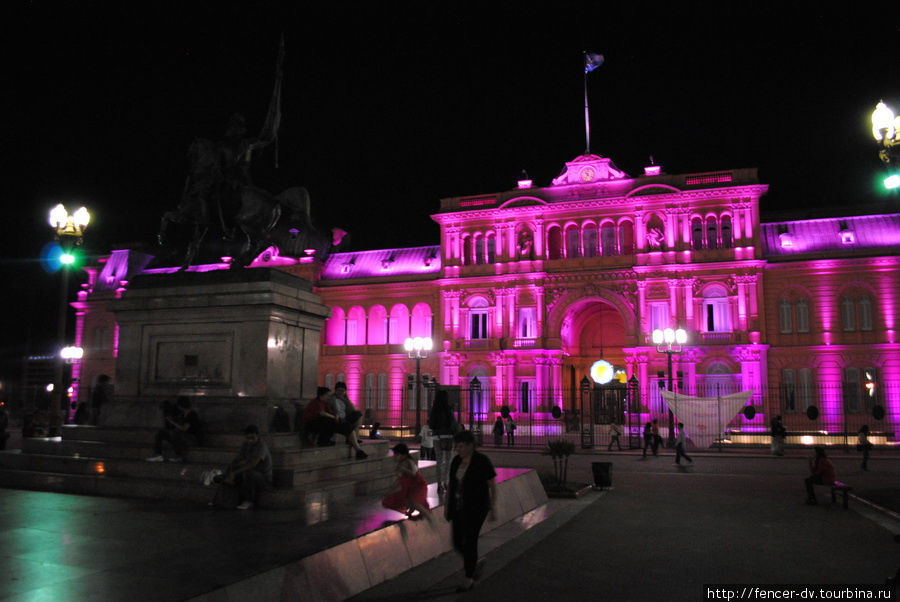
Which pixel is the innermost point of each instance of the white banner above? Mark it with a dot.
(705, 418)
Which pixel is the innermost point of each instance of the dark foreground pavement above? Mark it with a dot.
(661, 533)
(664, 532)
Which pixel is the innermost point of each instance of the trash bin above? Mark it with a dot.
(602, 474)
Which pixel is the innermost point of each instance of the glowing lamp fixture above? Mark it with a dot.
(71, 354)
(884, 126)
(418, 346)
(602, 372)
(67, 224)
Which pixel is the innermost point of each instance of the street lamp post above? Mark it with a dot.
(69, 232)
(884, 129)
(670, 341)
(418, 348)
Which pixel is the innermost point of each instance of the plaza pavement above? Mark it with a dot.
(660, 533)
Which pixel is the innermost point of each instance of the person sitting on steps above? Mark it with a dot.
(182, 430)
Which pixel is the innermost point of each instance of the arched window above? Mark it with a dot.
(478, 318)
(356, 326)
(590, 240)
(554, 243)
(626, 237)
(608, 239)
(727, 239)
(696, 234)
(479, 251)
(336, 327)
(421, 320)
(465, 243)
(378, 325)
(398, 325)
(716, 309)
(573, 242)
(490, 247)
(712, 235)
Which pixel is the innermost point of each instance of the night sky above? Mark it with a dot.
(390, 106)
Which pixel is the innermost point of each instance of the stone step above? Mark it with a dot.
(305, 476)
(81, 476)
(281, 458)
(146, 435)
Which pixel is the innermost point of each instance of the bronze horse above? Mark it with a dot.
(211, 196)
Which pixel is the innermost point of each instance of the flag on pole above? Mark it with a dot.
(592, 61)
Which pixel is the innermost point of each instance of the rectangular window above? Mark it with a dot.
(717, 316)
(848, 314)
(785, 321)
(871, 388)
(659, 315)
(805, 389)
(526, 396)
(478, 323)
(527, 325)
(865, 314)
(802, 316)
(788, 390)
(382, 391)
(369, 397)
(851, 389)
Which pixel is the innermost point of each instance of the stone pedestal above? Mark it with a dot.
(236, 338)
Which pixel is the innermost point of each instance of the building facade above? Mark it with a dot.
(529, 288)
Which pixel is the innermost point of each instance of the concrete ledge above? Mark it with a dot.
(349, 568)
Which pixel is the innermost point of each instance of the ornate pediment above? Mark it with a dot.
(588, 169)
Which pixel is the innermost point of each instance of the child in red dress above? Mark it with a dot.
(410, 490)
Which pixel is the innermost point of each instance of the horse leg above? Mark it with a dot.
(194, 246)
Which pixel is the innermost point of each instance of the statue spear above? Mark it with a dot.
(269, 131)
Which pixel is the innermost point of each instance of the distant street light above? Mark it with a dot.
(670, 341)
(418, 349)
(884, 129)
(69, 232)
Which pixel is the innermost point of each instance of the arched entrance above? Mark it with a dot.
(593, 329)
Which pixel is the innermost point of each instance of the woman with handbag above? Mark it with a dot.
(471, 498)
(443, 427)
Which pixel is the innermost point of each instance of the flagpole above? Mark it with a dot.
(587, 119)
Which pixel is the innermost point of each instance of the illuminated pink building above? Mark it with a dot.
(528, 288)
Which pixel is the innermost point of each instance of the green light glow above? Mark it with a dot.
(891, 182)
(67, 259)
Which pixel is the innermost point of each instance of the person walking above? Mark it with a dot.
(778, 436)
(648, 437)
(821, 473)
(426, 443)
(442, 425)
(680, 444)
(498, 431)
(864, 445)
(615, 431)
(510, 432)
(472, 498)
(656, 439)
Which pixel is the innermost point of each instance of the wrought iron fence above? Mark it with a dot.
(823, 414)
